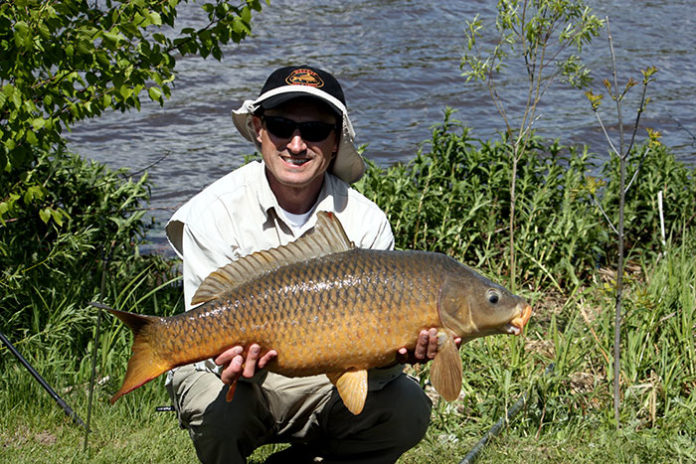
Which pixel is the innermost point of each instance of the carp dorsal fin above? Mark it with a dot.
(352, 388)
(326, 237)
(446, 371)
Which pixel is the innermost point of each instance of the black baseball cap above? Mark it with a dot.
(303, 76)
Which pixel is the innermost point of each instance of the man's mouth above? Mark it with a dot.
(295, 161)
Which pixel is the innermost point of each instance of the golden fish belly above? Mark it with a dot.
(349, 310)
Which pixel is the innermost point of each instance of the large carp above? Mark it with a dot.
(328, 307)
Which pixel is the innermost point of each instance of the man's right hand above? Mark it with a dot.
(234, 365)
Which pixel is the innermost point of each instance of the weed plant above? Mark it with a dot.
(51, 269)
(453, 197)
(659, 172)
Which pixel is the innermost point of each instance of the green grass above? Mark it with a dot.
(40, 435)
(590, 447)
(28, 435)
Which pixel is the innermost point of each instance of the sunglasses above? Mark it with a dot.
(311, 131)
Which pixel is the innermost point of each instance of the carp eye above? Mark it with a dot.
(493, 296)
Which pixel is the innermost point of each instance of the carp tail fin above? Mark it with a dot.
(446, 370)
(144, 363)
(352, 388)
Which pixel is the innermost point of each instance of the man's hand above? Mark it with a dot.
(426, 348)
(235, 365)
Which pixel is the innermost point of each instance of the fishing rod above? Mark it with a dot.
(68, 410)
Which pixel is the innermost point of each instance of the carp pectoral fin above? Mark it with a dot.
(352, 388)
(446, 370)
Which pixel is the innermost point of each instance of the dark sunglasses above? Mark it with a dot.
(311, 131)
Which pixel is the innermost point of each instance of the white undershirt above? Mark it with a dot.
(296, 221)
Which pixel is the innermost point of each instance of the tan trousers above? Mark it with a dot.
(304, 410)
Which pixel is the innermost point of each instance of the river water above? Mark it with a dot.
(399, 64)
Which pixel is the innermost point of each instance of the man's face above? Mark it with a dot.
(291, 159)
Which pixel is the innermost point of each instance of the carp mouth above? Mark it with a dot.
(516, 325)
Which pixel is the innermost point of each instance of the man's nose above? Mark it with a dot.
(296, 144)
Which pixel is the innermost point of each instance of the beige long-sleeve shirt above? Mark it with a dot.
(239, 214)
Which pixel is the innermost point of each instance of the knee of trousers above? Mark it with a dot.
(408, 408)
(218, 427)
(395, 419)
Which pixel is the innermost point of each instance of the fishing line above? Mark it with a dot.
(682, 127)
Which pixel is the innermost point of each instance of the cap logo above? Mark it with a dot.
(304, 76)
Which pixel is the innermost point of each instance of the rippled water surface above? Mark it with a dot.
(398, 62)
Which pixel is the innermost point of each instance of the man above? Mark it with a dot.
(300, 125)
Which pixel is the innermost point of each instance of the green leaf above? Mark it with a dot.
(155, 93)
(38, 123)
(216, 52)
(14, 95)
(22, 35)
(113, 37)
(246, 14)
(125, 91)
(57, 216)
(31, 137)
(155, 18)
(45, 215)
(34, 192)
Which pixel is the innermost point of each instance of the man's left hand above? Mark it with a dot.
(426, 348)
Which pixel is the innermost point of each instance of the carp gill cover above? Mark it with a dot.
(328, 307)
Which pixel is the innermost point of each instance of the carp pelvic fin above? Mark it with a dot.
(446, 370)
(144, 365)
(230, 392)
(325, 238)
(352, 388)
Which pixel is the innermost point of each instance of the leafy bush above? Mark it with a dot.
(659, 171)
(66, 61)
(50, 270)
(454, 198)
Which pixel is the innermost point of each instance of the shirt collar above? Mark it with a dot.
(269, 203)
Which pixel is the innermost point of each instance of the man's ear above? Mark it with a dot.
(256, 121)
